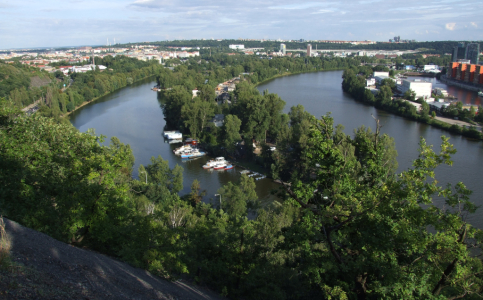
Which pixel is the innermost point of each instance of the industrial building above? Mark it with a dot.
(421, 88)
(309, 50)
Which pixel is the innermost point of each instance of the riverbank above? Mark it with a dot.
(473, 88)
(97, 98)
(296, 73)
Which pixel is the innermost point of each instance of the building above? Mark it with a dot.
(459, 52)
(438, 106)
(371, 81)
(283, 49)
(309, 50)
(421, 88)
(430, 67)
(237, 47)
(473, 53)
(380, 74)
(218, 119)
(470, 73)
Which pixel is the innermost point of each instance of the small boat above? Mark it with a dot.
(214, 162)
(192, 153)
(480, 93)
(182, 149)
(176, 141)
(173, 135)
(220, 166)
(191, 141)
(228, 167)
(245, 172)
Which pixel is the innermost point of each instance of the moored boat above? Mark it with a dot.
(173, 135)
(214, 162)
(220, 166)
(184, 148)
(480, 93)
(228, 167)
(192, 153)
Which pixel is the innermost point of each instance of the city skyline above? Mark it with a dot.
(29, 24)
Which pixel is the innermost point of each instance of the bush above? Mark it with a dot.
(70, 106)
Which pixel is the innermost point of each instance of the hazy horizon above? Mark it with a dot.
(34, 24)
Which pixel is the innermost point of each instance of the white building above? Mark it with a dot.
(237, 47)
(370, 81)
(421, 88)
(381, 74)
(430, 67)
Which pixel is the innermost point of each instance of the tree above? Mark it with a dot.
(63, 182)
(196, 194)
(162, 176)
(365, 228)
(238, 197)
(231, 132)
(410, 95)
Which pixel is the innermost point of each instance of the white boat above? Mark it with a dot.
(193, 153)
(182, 149)
(173, 135)
(480, 93)
(177, 141)
(214, 162)
(221, 165)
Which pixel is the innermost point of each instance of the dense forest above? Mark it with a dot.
(348, 227)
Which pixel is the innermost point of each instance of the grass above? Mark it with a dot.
(5, 246)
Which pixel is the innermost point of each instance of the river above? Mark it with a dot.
(322, 92)
(134, 115)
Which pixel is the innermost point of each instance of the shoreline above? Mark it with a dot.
(97, 98)
(459, 84)
(296, 73)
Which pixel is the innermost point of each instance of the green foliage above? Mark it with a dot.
(369, 228)
(62, 182)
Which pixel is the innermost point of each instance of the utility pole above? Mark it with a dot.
(220, 199)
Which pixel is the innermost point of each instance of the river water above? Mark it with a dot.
(322, 92)
(134, 115)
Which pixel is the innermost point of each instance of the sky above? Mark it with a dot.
(53, 23)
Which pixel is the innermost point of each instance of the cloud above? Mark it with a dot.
(302, 5)
(321, 11)
(474, 24)
(450, 26)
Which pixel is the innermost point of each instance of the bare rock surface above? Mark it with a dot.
(45, 268)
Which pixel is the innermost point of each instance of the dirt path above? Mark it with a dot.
(457, 122)
(26, 108)
(60, 271)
